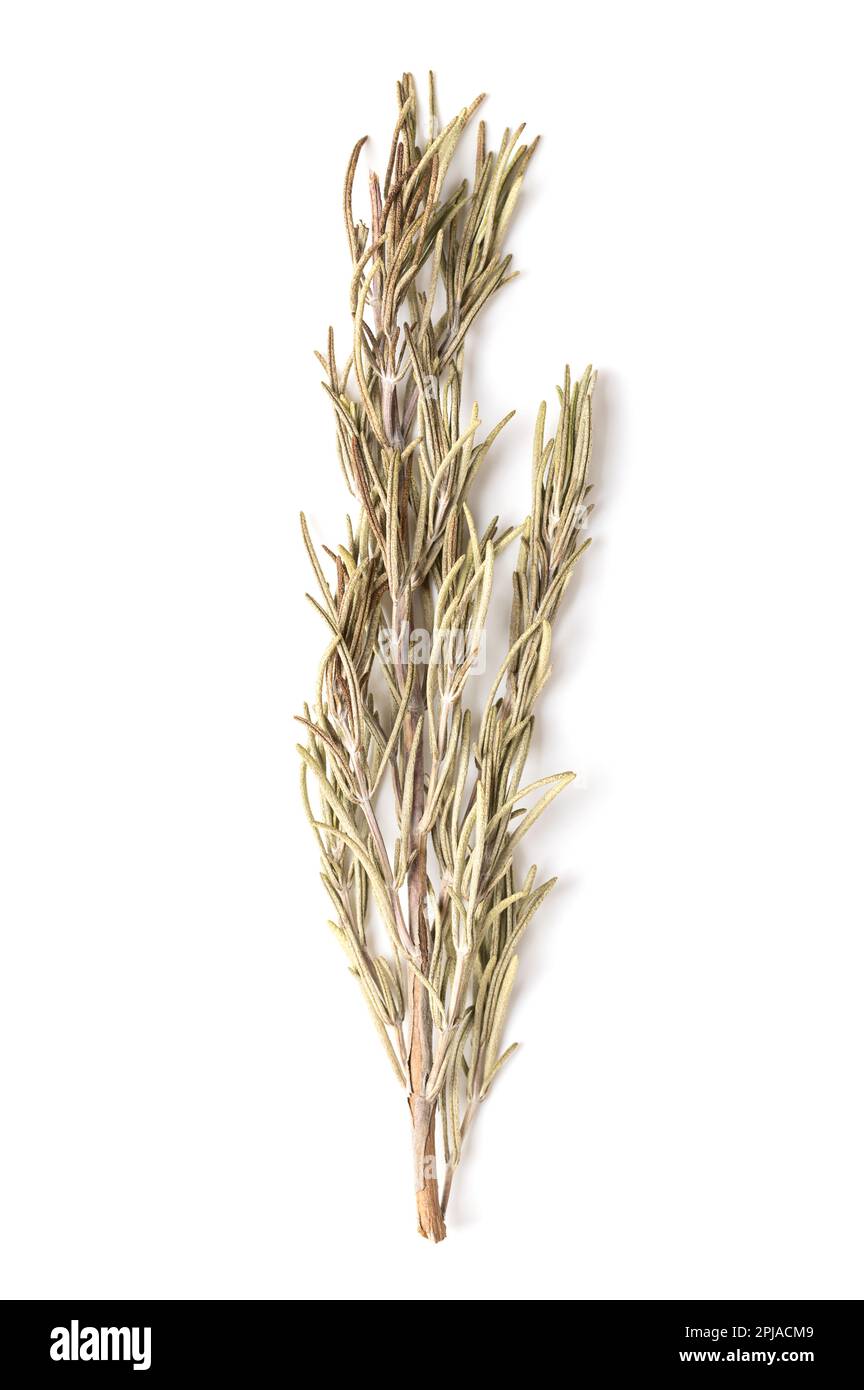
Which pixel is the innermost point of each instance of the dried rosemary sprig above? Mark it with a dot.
(405, 613)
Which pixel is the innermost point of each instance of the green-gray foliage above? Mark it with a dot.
(447, 894)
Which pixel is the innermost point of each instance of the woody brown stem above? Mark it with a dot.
(429, 1216)
(430, 1220)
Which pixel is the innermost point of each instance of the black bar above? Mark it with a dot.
(242, 1340)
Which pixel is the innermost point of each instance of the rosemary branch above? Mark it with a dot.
(415, 566)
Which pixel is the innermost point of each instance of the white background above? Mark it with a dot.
(193, 1099)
